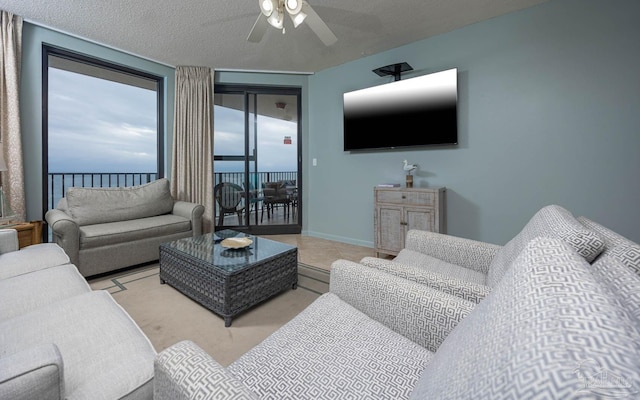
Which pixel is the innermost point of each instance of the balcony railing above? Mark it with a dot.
(58, 183)
(256, 179)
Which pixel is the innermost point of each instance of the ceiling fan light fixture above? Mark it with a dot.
(293, 6)
(272, 13)
(267, 6)
(276, 20)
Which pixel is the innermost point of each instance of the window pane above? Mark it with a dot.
(229, 127)
(100, 125)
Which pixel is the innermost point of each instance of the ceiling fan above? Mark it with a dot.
(273, 13)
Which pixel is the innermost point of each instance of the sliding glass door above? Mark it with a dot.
(257, 159)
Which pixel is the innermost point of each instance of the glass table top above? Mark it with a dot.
(208, 248)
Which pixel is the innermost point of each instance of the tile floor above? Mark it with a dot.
(322, 252)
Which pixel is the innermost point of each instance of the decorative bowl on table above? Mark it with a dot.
(236, 242)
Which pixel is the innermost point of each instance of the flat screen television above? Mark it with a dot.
(420, 111)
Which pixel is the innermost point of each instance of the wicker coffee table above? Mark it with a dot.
(228, 281)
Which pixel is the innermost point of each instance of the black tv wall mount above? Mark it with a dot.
(393, 69)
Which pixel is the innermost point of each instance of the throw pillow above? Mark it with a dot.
(551, 221)
(88, 206)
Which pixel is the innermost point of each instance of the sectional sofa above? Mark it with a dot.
(559, 319)
(58, 338)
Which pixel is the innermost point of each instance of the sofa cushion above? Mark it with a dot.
(31, 258)
(8, 241)
(27, 292)
(435, 265)
(551, 221)
(99, 235)
(548, 330)
(105, 354)
(100, 205)
(331, 350)
(444, 283)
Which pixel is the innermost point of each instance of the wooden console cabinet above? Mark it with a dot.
(396, 210)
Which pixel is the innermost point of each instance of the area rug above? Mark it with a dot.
(166, 316)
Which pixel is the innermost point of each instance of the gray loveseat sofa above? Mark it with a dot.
(105, 229)
(58, 338)
(554, 325)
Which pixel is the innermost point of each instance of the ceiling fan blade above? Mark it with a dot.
(318, 26)
(259, 29)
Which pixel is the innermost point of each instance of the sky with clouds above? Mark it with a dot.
(102, 126)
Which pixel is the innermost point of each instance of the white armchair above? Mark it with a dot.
(469, 268)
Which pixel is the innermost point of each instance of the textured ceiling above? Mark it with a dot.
(214, 32)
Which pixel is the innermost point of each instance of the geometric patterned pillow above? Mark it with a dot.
(551, 221)
(629, 254)
(548, 330)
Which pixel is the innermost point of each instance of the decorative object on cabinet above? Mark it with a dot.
(409, 168)
(397, 210)
(409, 183)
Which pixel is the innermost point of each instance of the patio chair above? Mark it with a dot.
(229, 196)
(275, 194)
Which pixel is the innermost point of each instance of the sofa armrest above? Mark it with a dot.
(464, 252)
(469, 291)
(191, 211)
(8, 240)
(35, 373)
(416, 311)
(185, 371)
(66, 233)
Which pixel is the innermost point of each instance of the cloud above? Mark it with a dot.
(102, 126)
(272, 152)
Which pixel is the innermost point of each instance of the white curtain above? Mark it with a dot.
(10, 136)
(192, 156)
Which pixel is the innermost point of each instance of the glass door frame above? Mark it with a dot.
(252, 92)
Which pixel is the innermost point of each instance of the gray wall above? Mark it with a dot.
(549, 113)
